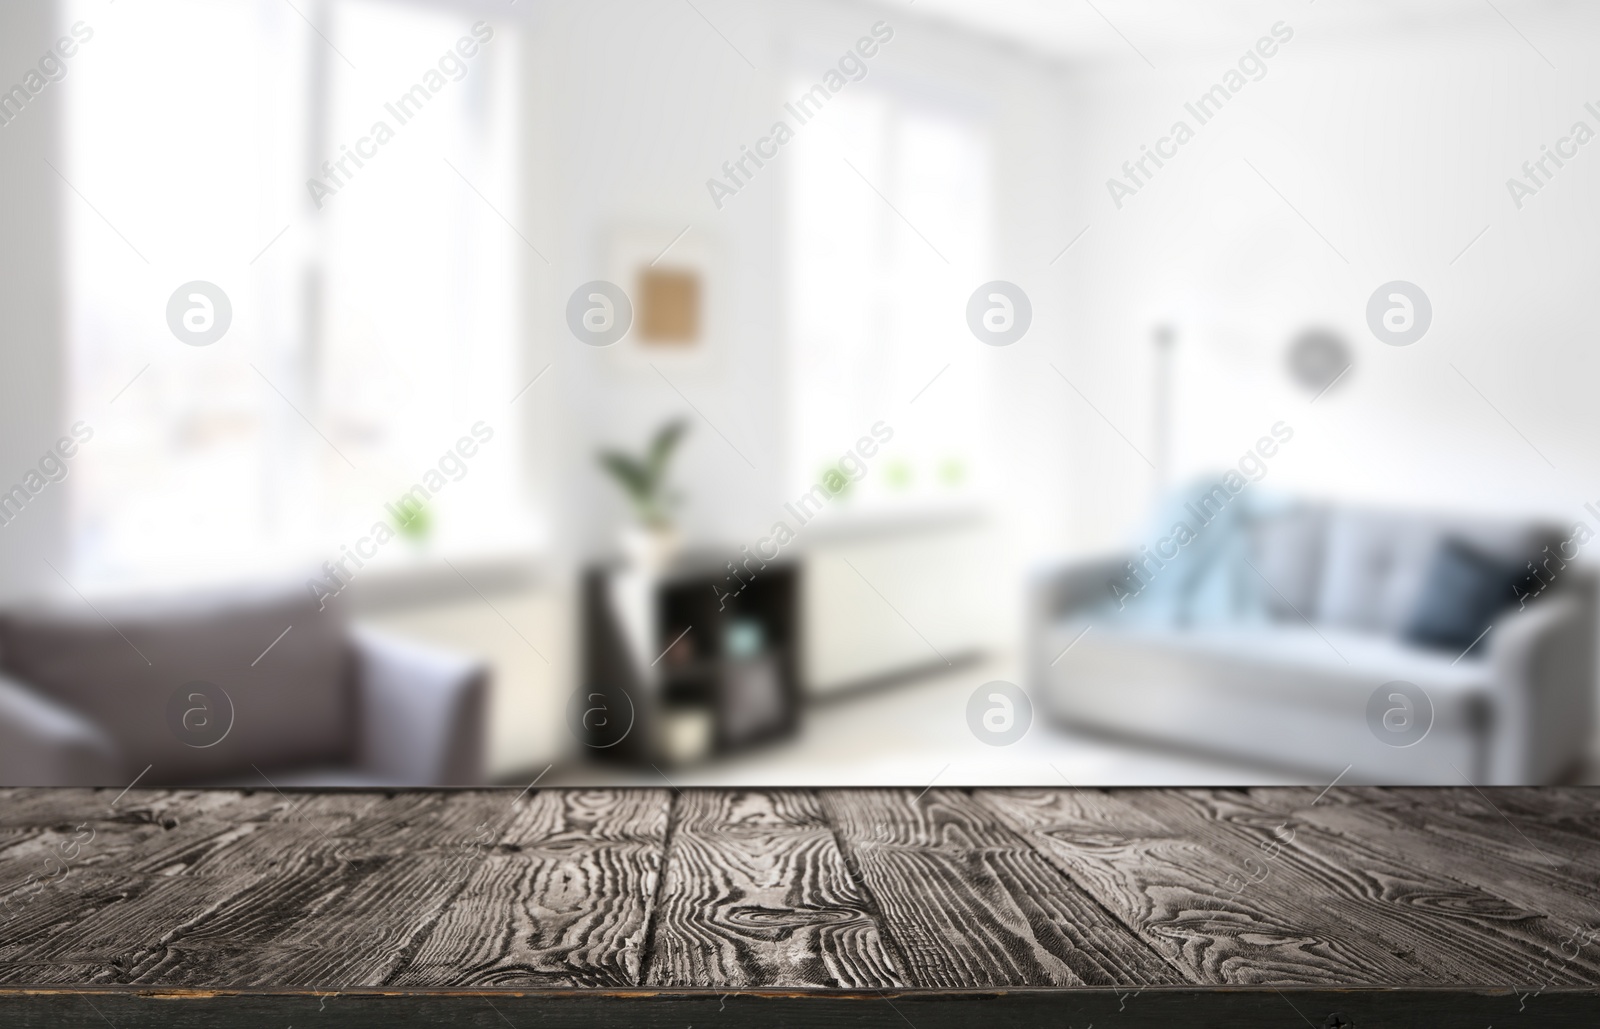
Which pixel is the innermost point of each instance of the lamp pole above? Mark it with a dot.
(1164, 336)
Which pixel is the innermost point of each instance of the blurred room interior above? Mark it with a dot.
(413, 517)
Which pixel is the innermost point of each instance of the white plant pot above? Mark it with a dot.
(650, 549)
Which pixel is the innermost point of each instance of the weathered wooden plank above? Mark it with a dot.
(757, 893)
(1459, 932)
(385, 875)
(117, 821)
(1497, 858)
(102, 910)
(1192, 905)
(1570, 906)
(299, 895)
(1548, 827)
(788, 890)
(324, 889)
(561, 897)
(968, 904)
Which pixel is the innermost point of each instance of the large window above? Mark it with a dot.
(373, 323)
(890, 228)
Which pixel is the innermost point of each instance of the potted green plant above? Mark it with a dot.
(653, 539)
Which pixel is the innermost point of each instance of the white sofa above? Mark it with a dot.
(1317, 599)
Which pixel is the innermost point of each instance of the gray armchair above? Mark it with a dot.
(225, 692)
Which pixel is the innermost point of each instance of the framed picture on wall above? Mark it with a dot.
(673, 277)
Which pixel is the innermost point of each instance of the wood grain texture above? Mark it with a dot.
(98, 915)
(1453, 930)
(967, 903)
(296, 893)
(1554, 827)
(1066, 907)
(559, 893)
(1441, 839)
(757, 893)
(1193, 905)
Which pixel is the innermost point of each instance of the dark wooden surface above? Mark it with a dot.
(1056, 907)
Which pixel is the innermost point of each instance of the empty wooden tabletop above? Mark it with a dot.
(1058, 907)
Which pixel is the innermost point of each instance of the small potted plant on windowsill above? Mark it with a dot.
(652, 540)
(414, 522)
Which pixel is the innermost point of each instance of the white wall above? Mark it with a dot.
(1397, 150)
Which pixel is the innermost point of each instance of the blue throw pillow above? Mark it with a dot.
(1464, 590)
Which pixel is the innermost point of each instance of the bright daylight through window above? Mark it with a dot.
(370, 328)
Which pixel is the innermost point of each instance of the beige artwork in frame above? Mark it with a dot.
(671, 276)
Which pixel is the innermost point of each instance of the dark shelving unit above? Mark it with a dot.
(704, 660)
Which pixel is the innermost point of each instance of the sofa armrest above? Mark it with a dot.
(421, 712)
(1056, 591)
(43, 743)
(1543, 664)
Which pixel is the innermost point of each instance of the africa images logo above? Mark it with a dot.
(199, 313)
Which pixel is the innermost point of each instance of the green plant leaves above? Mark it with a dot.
(644, 480)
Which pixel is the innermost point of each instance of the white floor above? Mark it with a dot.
(915, 734)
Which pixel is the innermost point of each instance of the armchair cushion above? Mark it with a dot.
(291, 704)
(422, 712)
(43, 743)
